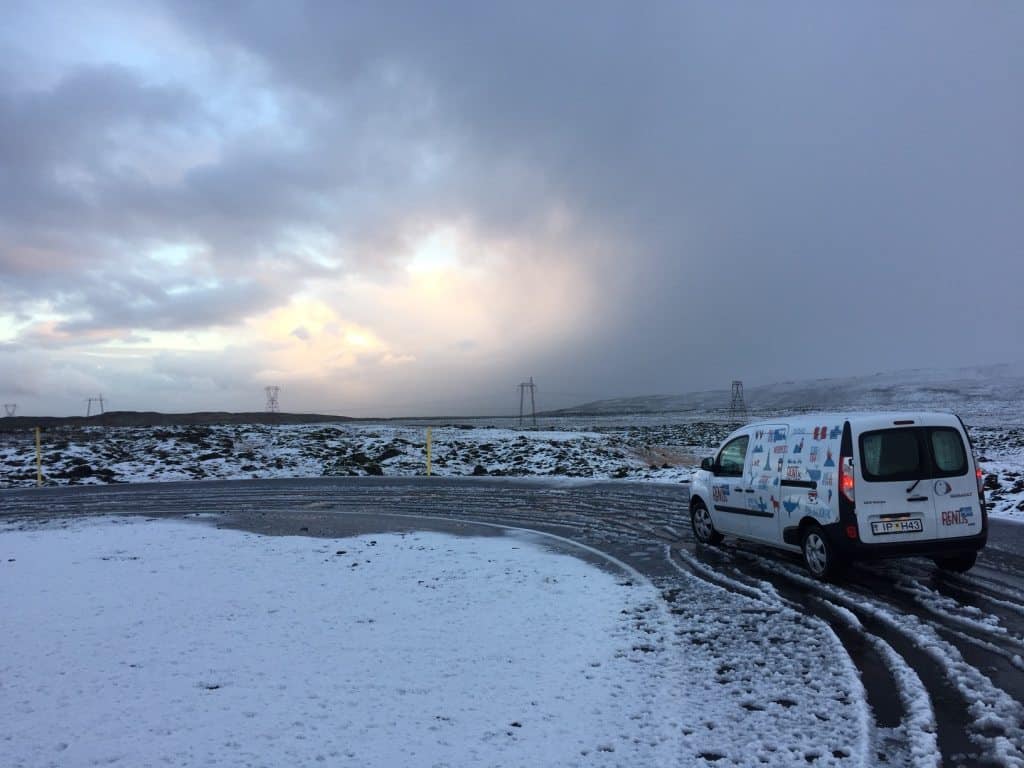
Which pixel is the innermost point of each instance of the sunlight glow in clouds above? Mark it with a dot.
(437, 252)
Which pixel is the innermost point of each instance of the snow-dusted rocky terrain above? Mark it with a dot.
(110, 455)
(654, 449)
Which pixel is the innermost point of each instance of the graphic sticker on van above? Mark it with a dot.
(962, 516)
(758, 504)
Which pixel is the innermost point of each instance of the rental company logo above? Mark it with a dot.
(962, 516)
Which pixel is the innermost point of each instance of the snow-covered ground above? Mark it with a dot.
(149, 642)
(644, 448)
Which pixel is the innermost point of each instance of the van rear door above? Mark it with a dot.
(915, 484)
(955, 485)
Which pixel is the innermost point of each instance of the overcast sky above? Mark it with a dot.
(390, 208)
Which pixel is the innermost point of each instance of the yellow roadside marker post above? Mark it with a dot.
(428, 450)
(39, 461)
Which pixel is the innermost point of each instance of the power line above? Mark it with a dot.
(523, 387)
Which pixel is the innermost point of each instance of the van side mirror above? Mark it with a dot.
(708, 464)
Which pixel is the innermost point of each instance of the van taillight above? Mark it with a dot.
(846, 477)
(981, 478)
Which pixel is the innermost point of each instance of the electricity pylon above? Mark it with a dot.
(523, 387)
(272, 392)
(737, 408)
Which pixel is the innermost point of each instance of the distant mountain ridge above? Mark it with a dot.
(989, 390)
(156, 419)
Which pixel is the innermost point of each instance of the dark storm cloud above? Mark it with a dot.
(782, 190)
(791, 179)
(50, 140)
(76, 217)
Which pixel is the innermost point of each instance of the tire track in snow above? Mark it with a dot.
(992, 719)
(888, 690)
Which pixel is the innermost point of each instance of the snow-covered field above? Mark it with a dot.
(150, 642)
(658, 449)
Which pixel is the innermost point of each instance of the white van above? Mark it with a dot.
(842, 487)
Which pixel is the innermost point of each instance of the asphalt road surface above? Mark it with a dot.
(962, 634)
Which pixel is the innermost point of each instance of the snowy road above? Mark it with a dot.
(941, 657)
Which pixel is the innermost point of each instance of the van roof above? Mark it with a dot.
(871, 419)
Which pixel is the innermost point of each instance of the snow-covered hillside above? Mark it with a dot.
(983, 395)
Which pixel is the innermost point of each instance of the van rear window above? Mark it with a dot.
(891, 454)
(912, 453)
(948, 450)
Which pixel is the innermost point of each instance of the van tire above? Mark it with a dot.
(820, 556)
(957, 563)
(703, 528)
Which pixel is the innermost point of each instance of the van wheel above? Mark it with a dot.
(957, 563)
(703, 529)
(820, 557)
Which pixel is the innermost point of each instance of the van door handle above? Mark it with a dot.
(918, 498)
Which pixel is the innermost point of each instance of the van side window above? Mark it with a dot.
(948, 449)
(730, 460)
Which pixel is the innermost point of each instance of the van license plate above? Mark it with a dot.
(897, 526)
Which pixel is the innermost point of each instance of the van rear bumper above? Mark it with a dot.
(858, 550)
